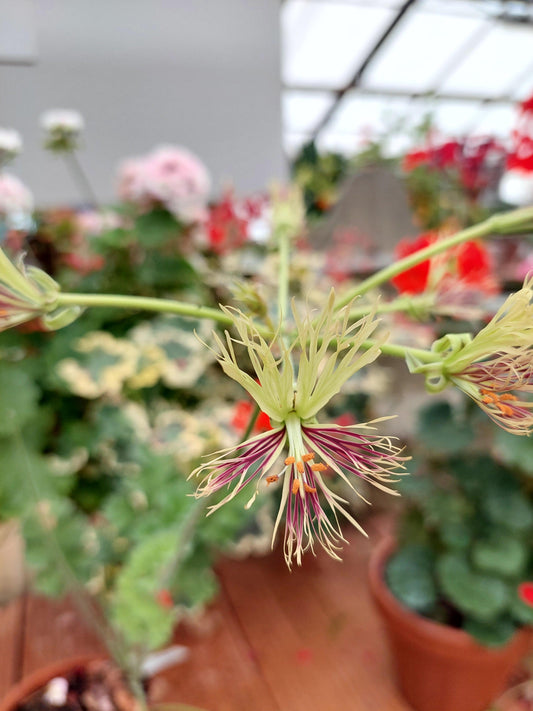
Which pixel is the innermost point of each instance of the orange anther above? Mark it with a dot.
(489, 396)
(309, 489)
(295, 486)
(272, 479)
(300, 467)
(318, 467)
(290, 460)
(508, 396)
(504, 409)
(308, 457)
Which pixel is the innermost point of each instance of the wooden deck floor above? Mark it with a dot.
(309, 640)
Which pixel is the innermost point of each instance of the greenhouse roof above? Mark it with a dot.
(355, 70)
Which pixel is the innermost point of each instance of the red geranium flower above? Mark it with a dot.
(413, 159)
(414, 280)
(474, 265)
(525, 593)
(243, 413)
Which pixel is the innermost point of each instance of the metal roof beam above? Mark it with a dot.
(363, 67)
(404, 94)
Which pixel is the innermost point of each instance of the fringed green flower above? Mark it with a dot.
(292, 384)
(27, 293)
(495, 367)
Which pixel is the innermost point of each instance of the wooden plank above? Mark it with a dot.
(11, 643)
(54, 631)
(221, 673)
(315, 633)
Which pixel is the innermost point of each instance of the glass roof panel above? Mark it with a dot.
(495, 64)
(464, 8)
(524, 88)
(419, 50)
(367, 115)
(302, 110)
(345, 143)
(324, 43)
(495, 120)
(455, 118)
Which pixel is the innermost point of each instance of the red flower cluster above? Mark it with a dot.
(521, 156)
(243, 413)
(525, 593)
(414, 280)
(469, 263)
(228, 222)
(473, 159)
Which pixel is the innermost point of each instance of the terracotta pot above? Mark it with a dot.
(41, 677)
(439, 667)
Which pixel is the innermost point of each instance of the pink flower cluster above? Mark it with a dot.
(170, 177)
(15, 198)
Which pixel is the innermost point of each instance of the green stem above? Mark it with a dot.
(397, 351)
(251, 423)
(404, 303)
(283, 278)
(80, 177)
(508, 223)
(143, 303)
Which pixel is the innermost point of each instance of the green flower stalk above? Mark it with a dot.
(27, 293)
(495, 367)
(292, 397)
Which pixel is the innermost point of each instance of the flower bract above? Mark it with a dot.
(27, 293)
(495, 368)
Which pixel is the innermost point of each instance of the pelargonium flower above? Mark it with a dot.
(27, 293)
(63, 128)
(465, 267)
(10, 145)
(15, 198)
(495, 368)
(171, 177)
(525, 593)
(297, 451)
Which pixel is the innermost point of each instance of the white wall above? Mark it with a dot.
(200, 73)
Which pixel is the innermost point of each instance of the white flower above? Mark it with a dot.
(62, 120)
(62, 129)
(10, 145)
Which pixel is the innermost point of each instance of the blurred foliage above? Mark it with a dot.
(101, 423)
(466, 532)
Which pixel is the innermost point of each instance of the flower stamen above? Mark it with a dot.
(295, 486)
(309, 489)
(504, 409)
(290, 460)
(318, 467)
(308, 457)
(489, 396)
(300, 466)
(272, 479)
